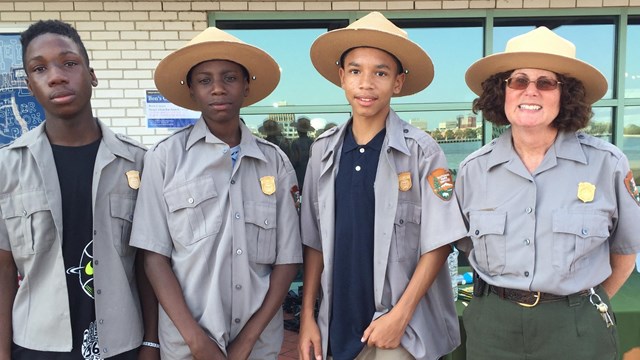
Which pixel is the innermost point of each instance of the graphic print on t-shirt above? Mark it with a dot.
(84, 270)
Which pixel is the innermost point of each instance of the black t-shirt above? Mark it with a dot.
(75, 174)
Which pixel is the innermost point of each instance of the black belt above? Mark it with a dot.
(529, 298)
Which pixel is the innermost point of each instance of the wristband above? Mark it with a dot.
(151, 344)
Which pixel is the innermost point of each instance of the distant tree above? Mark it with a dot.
(459, 134)
(437, 134)
(470, 133)
(448, 134)
(632, 130)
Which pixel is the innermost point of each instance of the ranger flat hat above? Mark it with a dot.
(539, 49)
(375, 31)
(214, 44)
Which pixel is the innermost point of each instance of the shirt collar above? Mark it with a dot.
(248, 144)
(566, 145)
(109, 138)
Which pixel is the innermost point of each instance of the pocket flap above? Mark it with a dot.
(261, 214)
(408, 212)
(582, 225)
(191, 194)
(23, 204)
(487, 222)
(122, 206)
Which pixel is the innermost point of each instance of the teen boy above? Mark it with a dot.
(217, 209)
(67, 195)
(378, 210)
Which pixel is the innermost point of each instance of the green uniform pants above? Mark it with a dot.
(568, 329)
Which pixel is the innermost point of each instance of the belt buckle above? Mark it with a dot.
(537, 296)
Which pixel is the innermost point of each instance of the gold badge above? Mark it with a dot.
(441, 182)
(586, 191)
(404, 181)
(133, 178)
(268, 184)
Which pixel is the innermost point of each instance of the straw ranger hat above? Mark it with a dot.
(539, 49)
(214, 44)
(373, 30)
(303, 124)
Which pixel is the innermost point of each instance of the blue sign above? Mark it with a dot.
(19, 111)
(161, 113)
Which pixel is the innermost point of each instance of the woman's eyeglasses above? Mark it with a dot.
(521, 83)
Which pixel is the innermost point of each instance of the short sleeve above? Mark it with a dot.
(624, 238)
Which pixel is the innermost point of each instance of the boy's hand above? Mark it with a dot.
(309, 341)
(204, 348)
(386, 331)
(239, 349)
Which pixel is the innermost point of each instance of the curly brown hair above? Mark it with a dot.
(574, 114)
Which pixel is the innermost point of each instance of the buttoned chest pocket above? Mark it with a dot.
(121, 207)
(194, 211)
(486, 230)
(406, 233)
(29, 222)
(260, 227)
(575, 237)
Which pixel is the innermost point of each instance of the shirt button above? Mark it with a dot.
(224, 151)
(105, 350)
(95, 262)
(101, 321)
(405, 131)
(95, 232)
(99, 292)
(233, 182)
(24, 212)
(528, 210)
(585, 231)
(266, 222)
(190, 200)
(358, 168)
(237, 321)
(526, 274)
(237, 215)
(477, 232)
(527, 242)
(361, 150)
(388, 150)
(401, 221)
(238, 287)
(239, 251)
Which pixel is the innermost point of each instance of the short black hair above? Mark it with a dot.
(245, 72)
(346, 52)
(51, 27)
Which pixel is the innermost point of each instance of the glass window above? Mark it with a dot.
(288, 42)
(600, 124)
(319, 121)
(632, 75)
(594, 39)
(452, 48)
(459, 133)
(631, 139)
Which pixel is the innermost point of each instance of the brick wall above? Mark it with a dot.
(126, 39)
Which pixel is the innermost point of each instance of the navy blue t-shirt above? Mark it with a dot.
(353, 303)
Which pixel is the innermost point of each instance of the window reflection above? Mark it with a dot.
(300, 83)
(452, 50)
(600, 124)
(631, 139)
(459, 133)
(632, 74)
(595, 42)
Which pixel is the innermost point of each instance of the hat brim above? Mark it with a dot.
(327, 49)
(171, 73)
(593, 80)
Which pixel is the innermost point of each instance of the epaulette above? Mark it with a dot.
(130, 141)
(154, 146)
(487, 148)
(597, 143)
